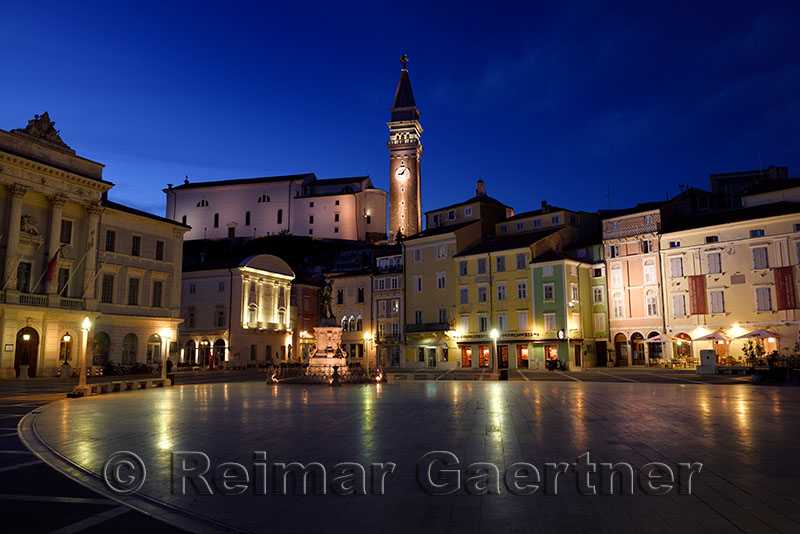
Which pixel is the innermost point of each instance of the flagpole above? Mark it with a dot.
(21, 257)
(96, 274)
(74, 270)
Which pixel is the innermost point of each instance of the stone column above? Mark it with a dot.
(177, 270)
(260, 303)
(12, 249)
(245, 301)
(90, 263)
(54, 238)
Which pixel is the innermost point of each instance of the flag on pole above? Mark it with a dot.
(51, 267)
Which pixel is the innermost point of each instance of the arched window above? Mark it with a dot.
(616, 275)
(359, 324)
(154, 349)
(344, 324)
(263, 198)
(280, 216)
(102, 346)
(351, 325)
(649, 272)
(617, 306)
(252, 315)
(651, 303)
(130, 346)
(190, 352)
(65, 348)
(203, 203)
(219, 350)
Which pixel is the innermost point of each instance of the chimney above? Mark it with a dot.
(544, 206)
(480, 189)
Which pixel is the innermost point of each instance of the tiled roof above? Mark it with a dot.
(133, 211)
(484, 199)
(243, 181)
(732, 216)
(508, 243)
(440, 230)
(768, 186)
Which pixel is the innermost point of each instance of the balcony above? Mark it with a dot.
(32, 300)
(389, 338)
(428, 327)
(72, 304)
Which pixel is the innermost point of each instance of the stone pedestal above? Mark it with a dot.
(23, 373)
(328, 351)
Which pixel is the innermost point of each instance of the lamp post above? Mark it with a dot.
(495, 363)
(367, 339)
(165, 352)
(85, 327)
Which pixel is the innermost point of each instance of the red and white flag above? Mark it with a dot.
(52, 267)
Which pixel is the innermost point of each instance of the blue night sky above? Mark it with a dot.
(546, 101)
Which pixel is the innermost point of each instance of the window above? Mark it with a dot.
(192, 289)
(674, 244)
(548, 292)
(678, 305)
(483, 323)
(280, 216)
(651, 303)
(537, 223)
(417, 316)
(468, 211)
(111, 240)
(549, 322)
(481, 265)
(417, 255)
(763, 299)
(133, 291)
(157, 289)
(555, 219)
(191, 318)
(310, 219)
(597, 272)
(797, 227)
(501, 292)
(649, 272)
(599, 320)
(451, 215)
(503, 228)
(63, 279)
(547, 270)
(360, 295)
(573, 291)
(418, 284)
(522, 290)
(522, 321)
(66, 231)
(757, 233)
(463, 323)
(441, 314)
(648, 220)
(247, 218)
(219, 317)
(263, 198)
(335, 217)
(717, 301)
(612, 251)
(712, 239)
(463, 269)
(310, 204)
(646, 246)
(615, 226)
(160, 250)
(760, 258)
(441, 251)
(463, 295)
(482, 294)
(676, 267)
(203, 203)
(107, 289)
(183, 219)
(220, 287)
(339, 296)
(136, 245)
(441, 281)
(502, 322)
(598, 294)
(617, 306)
(521, 261)
(216, 220)
(616, 275)
(436, 219)
(501, 264)
(520, 226)
(714, 263)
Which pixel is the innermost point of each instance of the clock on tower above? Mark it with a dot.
(405, 149)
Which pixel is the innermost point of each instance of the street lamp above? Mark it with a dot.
(85, 327)
(165, 352)
(494, 334)
(367, 339)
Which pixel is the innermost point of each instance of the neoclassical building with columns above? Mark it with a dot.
(69, 253)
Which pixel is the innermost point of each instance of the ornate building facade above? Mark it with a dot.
(69, 253)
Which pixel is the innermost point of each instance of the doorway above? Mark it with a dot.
(27, 350)
(577, 349)
(602, 353)
(502, 356)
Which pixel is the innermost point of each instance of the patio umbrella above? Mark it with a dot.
(714, 336)
(660, 338)
(760, 333)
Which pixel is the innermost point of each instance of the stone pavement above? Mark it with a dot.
(745, 436)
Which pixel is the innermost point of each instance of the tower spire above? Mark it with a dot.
(404, 107)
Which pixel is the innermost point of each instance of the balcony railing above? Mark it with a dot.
(33, 300)
(72, 304)
(428, 327)
(389, 338)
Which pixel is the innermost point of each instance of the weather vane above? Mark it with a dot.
(404, 60)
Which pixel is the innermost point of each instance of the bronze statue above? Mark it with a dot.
(404, 60)
(325, 297)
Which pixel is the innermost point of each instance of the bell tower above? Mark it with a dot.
(405, 149)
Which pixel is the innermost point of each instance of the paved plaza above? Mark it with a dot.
(744, 436)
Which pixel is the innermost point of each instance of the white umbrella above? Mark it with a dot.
(660, 338)
(714, 336)
(760, 333)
